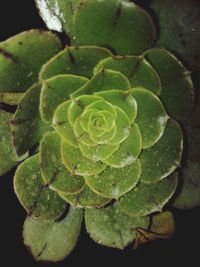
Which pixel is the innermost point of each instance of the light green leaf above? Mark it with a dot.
(52, 241)
(77, 163)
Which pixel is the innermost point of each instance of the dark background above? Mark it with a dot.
(183, 248)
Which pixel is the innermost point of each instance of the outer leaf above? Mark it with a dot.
(74, 60)
(35, 197)
(27, 126)
(52, 241)
(7, 152)
(189, 195)
(177, 88)
(164, 157)
(111, 228)
(179, 29)
(22, 56)
(115, 18)
(145, 199)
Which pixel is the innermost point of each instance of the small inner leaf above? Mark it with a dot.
(77, 163)
(61, 124)
(123, 100)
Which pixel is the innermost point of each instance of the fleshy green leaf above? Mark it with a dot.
(139, 72)
(147, 198)
(79, 104)
(62, 126)
(151, 118)
(77, 164)
(74, 60)
(189, 195)
(53, 171)
(38, 200)
(111, 228)
(164, 157)
(27, 125)
(104, 80)
(179, 30)
(55, 91)
(123, 100)
(50, 240)
(7, 151)
(22, 56)
(86, 198)
(121, 25)
(115, 182)
(177, 89)
(128, 151)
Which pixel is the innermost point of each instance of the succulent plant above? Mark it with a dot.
(98, 128)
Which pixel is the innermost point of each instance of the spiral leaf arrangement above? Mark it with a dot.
(99, 127)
